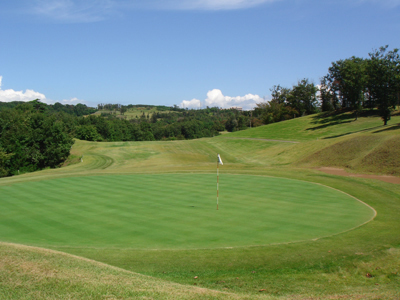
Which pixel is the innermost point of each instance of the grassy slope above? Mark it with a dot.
(362, 146)
(323, 268)
(320, 126)
(134, 113)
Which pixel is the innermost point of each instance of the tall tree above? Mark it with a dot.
(327, 96)
(384, 80)
(348, 78)
(303, 97)
(4, 162)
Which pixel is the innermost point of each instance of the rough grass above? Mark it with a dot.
(34, 273)
(359, 264)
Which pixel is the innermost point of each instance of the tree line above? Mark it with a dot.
(34, 135)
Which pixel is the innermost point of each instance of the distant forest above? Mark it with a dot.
(35, 135)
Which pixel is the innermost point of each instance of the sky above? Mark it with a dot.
(190, 53)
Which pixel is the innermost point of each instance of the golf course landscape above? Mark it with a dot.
(139, 220)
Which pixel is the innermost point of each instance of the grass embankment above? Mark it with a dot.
(361, 146)
(358, 264)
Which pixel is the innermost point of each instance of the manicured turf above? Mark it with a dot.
(173, 211)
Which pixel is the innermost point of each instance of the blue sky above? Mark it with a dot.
(184, 52)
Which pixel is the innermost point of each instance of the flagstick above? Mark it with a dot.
(217, 182)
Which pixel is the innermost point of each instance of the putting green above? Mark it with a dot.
(173, 211)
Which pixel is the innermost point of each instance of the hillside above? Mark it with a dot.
(359, 264)
(136, 111)
(337, 140)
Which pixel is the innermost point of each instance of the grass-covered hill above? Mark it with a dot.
(136, 111)
(361, 263)
(338, 140)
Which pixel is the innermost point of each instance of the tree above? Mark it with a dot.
(303, 97)
(87, 133)
(123, 109)
(4, 162)
(231, 124)
(280, 94)
(326, 96)
(348, 77)
(37, 140)
(39, 106)
(384, 80)
(154, 118)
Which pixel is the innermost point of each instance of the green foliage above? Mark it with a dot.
(384, 80)
(288, 103)
(35, 138)
(75, 110)
(4, 162)
(87, 132)
(348, 77)
(357, 83)
(303, 97)
(231, 124)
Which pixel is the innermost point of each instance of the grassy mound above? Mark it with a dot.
(364, 153)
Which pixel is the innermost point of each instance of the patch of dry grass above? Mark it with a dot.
(36, 273)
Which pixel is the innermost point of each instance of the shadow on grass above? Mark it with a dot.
(332, 116)
(388, 128)
(343, 116)
(327, 125)
(336, 117)
(351, 132)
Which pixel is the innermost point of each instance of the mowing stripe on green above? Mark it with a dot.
(174, 211)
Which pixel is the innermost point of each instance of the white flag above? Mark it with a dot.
(220, 160)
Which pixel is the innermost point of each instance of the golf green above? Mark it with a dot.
(173, 211)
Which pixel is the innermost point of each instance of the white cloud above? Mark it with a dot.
(192, 104)
(214, 4)
(73, 101)
(10, 95)
(83, 11)
(74, 11)
(215, 98)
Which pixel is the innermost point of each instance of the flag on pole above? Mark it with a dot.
(220, 160)
(218, 163)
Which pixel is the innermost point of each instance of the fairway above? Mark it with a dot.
(174, 211)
